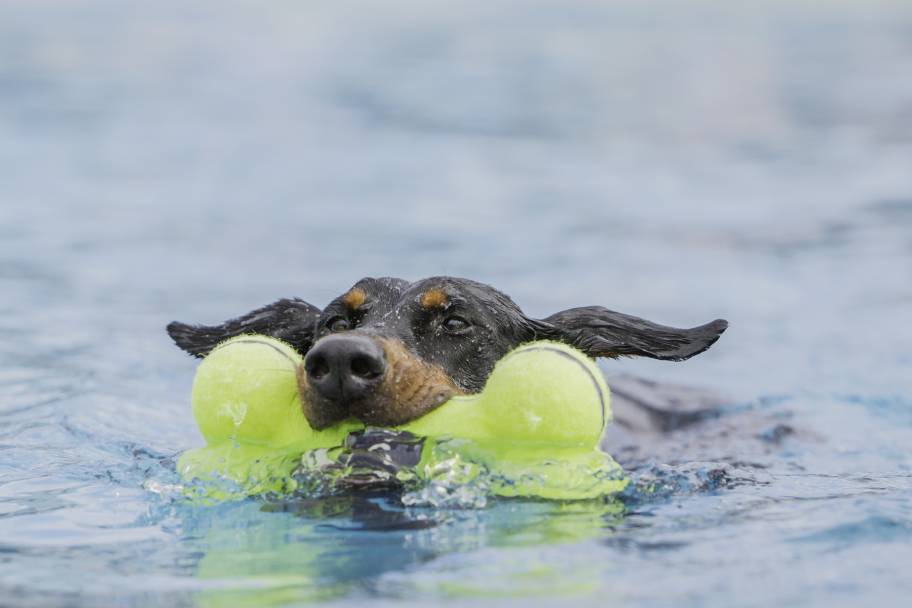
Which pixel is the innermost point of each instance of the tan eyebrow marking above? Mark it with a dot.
(355, 298)
(434, 298)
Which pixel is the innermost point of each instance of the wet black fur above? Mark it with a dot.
(495, 326)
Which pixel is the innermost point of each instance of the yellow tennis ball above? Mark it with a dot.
(540, 393)
(547, 392)
(246, 392)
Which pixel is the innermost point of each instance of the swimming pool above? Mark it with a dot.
(677, 161)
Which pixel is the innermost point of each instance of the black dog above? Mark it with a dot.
(389, 351)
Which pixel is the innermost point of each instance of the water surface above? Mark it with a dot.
(678, 161)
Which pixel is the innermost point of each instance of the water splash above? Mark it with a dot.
(657, 482)
(454, 472)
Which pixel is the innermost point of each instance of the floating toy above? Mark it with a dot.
(533, 431)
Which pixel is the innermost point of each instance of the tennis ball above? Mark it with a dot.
(543, 392)
(547, 393)
(246, 392)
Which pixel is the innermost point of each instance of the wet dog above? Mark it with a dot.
(388, 351)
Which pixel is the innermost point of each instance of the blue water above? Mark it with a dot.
(680, 161)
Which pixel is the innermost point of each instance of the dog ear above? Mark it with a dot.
(291, 320)
(600, 332)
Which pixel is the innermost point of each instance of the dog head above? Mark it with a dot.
(388, 351)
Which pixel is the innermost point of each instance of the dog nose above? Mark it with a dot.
(345, 367)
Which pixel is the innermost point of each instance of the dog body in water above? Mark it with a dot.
(388, 351)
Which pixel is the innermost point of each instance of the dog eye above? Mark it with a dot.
(338, 324)
(455, 324)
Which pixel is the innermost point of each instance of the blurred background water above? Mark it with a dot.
(680, 161)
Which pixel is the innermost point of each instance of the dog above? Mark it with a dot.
(388, 350)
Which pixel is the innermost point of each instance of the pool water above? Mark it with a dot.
(680, 161)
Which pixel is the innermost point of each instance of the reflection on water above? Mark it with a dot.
(678, 161)
(330, 548)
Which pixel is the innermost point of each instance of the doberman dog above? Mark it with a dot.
(389, 350)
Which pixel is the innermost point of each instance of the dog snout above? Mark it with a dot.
(345, 368)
